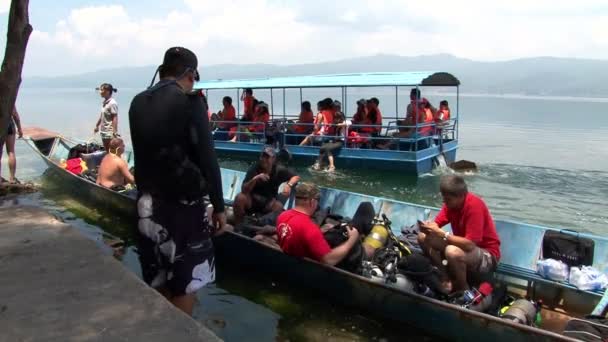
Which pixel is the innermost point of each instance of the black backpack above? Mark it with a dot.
(570, 248)
(336, 236)
(592, 329)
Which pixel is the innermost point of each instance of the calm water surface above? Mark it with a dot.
(543, 161)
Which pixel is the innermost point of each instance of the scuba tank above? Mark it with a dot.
(376, 238)
(381, 235)
(404, 283)
(522, 311)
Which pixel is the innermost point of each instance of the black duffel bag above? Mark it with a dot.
(592, 329)
(569, 247)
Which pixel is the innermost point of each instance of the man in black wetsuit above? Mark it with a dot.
(260, 187)
(176, 168)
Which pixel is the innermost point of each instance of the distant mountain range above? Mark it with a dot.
(546, 76)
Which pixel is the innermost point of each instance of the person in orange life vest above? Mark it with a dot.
(258, 122)
(360, 117)
(442, 117)
(330, 148)
(323, 123)
(248, 104)
(373, 118)
(226, 116)
(426, 118)
(300, 237)
(305, 120)
(261, 118)
(473, 246)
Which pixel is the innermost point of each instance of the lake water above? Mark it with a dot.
(542, 161)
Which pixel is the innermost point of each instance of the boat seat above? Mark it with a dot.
(522, 251)
(531, 276)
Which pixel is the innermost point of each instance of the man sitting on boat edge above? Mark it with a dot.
(473, 247)
(299, 236)
(261, 185)
(113, 171)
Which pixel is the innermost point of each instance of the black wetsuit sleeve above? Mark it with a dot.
(206, 159)
(284, 174)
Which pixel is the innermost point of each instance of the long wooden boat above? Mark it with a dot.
(520, 242)
(414, 155)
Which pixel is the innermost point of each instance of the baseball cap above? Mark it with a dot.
(181, 57)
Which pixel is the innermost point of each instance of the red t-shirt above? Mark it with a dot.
(300, 237)
(473, 222)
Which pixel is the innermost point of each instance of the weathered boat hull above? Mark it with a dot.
(436, 317)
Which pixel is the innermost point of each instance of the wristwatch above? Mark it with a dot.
(445, 236)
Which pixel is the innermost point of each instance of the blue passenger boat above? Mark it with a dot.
(520, 247)
(417, 154)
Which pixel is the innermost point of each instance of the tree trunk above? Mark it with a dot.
(18, 33)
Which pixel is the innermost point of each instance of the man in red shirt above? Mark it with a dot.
(299, 236)
(473, 246)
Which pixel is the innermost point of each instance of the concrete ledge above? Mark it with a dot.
(56, 285)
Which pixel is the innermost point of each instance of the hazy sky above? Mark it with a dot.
(73, 36)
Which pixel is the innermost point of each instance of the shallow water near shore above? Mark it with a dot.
(242, 304)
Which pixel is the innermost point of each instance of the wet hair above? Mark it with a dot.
(306, 106)
(374, 100)
(107, 86)
(444, 103)
(227, 99)
(415, 92)
(248, 91)
(115, 144)
(453, 185)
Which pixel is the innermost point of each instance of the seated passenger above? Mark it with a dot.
(426, 118)
(442, 117)
(261, 185)
(329, 148)
(306, 120)
(248, 104)
(473, 246)
(256, 125)
(374, 118)
(260, 118)
(323, 123)
(113, 171)
(299, 236)
(412, 113)
(360, 116)
(226, 116)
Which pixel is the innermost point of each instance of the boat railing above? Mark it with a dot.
(395, 135)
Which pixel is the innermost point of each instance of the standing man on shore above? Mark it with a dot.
(176, 168)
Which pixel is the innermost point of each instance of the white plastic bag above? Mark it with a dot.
(588, 278)
(552, 269)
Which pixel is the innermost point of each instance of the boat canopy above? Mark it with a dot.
(376, 79)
